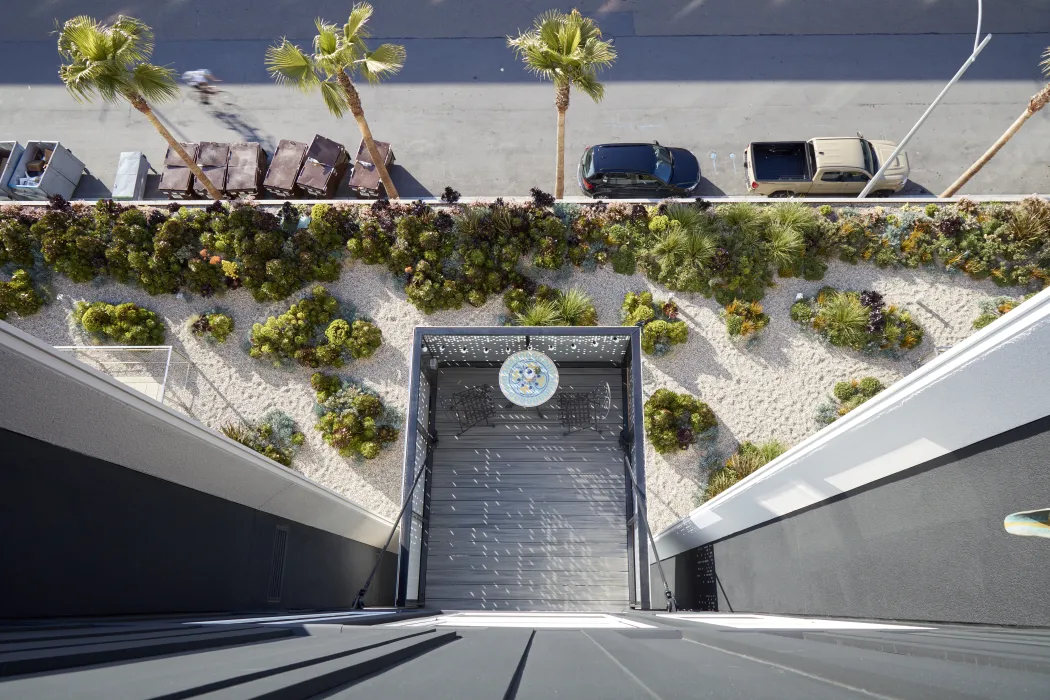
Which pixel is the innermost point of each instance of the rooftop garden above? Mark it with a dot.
(260, 297)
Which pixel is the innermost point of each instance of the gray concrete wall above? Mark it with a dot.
(925, 544)
(82, 536)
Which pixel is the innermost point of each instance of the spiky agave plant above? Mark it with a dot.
(577, 308)
(786, 227)
(540, 313)
(844, 319)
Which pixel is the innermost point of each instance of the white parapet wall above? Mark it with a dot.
(47, 394)
(995, 380)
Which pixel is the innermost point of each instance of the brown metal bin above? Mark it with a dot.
(284, 168)
(364, 178)
(213, 158)
(176, 180)
(244, 175)
(326, 163)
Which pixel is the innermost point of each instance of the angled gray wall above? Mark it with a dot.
(925, 544)
(111, 504)
(82, 537)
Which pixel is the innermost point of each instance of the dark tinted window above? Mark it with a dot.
(588, 164)
(663, 164)
(831, 176)
(871, 162)
(619, 179)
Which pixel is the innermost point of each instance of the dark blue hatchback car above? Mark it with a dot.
(643, 170)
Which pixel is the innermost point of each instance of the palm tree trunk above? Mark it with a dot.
(561, 101)
(142, 106)
(354, 100)
(1037, 103)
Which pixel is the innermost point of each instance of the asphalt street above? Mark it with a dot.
(709, 76)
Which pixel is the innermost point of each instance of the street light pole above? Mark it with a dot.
(904, 142)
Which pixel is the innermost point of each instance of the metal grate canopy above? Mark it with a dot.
(560, 344)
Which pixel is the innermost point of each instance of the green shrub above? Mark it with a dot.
(661, 329)
(217, 326)
(275, 435)
(744, 318)
(846, 396)
(748, 459)
(858, 320)
(297, 334)
(825, 210)
(931, 210)
(801, 311)
(16, 242)
(993, 308)
(19, 296)
(123, 324)
(675, 421)
(352, 419)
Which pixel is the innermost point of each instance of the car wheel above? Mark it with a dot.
(782, 194)
(882, 194)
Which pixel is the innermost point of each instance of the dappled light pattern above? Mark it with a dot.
(522, 516)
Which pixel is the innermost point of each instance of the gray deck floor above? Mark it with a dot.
(524, 517)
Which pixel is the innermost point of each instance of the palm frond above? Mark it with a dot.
(357, 25)
(589, 85)
(385, 61)
(326, 41)
(154, 83)
(1045, 63)
(288, 64)
(82, 38)
(564, 46)
(132, 40)
(334, 98)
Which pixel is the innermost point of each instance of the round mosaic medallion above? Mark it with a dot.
(528, 378)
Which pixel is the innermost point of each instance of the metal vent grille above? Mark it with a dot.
(280, 549)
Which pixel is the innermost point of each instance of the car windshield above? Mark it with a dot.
(664, 164)
(871, 163)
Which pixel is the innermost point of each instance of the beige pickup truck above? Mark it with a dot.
(823, 166)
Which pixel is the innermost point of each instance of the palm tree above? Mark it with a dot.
(1038, 101)
(568, 50)
(340, 52)
(111, 61)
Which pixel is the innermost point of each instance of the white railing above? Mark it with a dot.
(129, 371)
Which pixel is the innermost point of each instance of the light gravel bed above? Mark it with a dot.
(768, 389)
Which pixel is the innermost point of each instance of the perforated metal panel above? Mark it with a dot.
(473, 348)
(451, 349)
